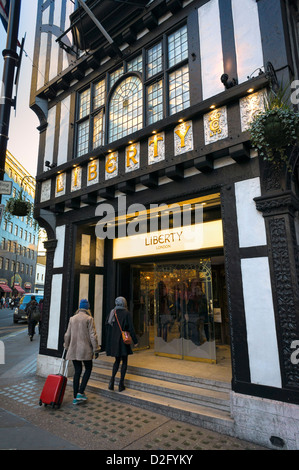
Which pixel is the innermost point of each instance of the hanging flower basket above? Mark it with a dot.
(18, 206)
(275, 130)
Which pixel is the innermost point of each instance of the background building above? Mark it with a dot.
(19, 235)
(40, 264)
(156, 110)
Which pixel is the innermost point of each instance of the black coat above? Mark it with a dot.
(115, 346)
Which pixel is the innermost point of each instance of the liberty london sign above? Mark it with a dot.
(215, 128)
(183, 142)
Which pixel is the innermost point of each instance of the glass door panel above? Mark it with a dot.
(143, 304)
(184, 324)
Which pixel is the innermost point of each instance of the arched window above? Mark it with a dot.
(126, 108)
(137, 93)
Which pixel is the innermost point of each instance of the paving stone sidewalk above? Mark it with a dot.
(104, 424)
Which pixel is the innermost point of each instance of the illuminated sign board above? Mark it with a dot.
(186, 238)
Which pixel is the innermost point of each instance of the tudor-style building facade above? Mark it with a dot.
(151, 105)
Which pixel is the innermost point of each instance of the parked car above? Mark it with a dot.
(19, 313)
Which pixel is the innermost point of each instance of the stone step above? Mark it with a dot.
(179, 390)
(194, 400)
(169, 376)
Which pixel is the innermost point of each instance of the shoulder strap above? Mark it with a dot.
(117, 321)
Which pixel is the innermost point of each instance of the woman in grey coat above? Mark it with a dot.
(81, 342)
(115, 345)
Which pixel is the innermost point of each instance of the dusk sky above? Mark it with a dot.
(23, 133)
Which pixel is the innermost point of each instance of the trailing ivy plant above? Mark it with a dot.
(276, 129)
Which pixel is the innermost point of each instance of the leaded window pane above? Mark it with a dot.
(115, 76)
(155, 102)
(99, 94)
(179, 98)
(98, 129)
(84, 103)
(154, 60)
(177, 46)
(135, 65)
(83, 137)
(125, 113)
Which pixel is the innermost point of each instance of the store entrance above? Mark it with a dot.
(173, 310)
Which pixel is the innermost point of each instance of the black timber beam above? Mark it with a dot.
(240, 152)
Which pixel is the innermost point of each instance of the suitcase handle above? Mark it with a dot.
(65, 363)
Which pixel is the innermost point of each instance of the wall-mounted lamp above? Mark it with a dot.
(228, 83)
(50, 165)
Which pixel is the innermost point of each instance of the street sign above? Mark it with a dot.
(5, 187)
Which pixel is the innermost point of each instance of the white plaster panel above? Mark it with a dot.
(54, 315)
(98, 305)
(46, 15)
(59, 252)
(260, 322)
(42, 60)
(50, 135)
(64, 131)
(57, 13)
(53, 71)
(251, 224)
(248, 40)
(210, 48)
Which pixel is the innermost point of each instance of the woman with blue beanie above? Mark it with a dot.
(81, 342)
(119, 319)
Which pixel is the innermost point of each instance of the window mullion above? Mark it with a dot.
(165, 77)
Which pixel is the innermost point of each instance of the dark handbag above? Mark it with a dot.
(125, 334)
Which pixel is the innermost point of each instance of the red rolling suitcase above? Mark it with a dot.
(54, 388)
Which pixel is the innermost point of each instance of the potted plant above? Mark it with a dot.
(18, 205)
(275, 130)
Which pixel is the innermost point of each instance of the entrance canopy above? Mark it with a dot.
(5, 288)
(19, 289)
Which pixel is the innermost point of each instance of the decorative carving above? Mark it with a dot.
(183, 138)
(76, 178)
(249, 106)
(215, 125)
(286, 319)
(45, 191)
(282, 203)
(279, 209)
(156, 148)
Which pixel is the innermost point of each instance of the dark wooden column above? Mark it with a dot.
(278, 204)
(50, 246)
(239, 347)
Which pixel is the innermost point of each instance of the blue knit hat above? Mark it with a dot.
(84, 304)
